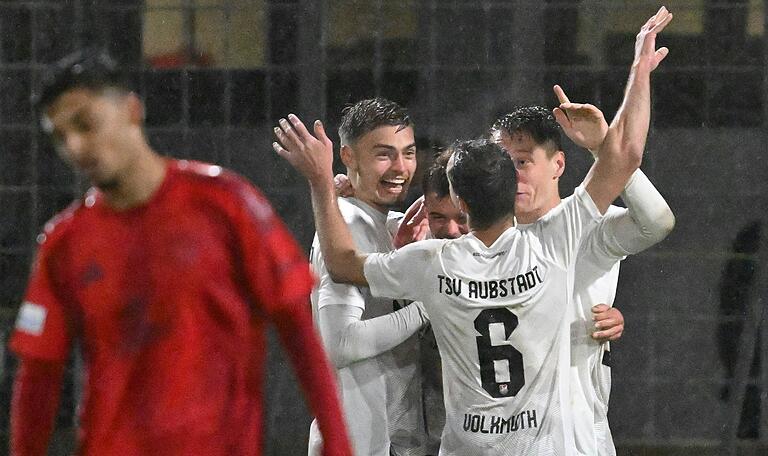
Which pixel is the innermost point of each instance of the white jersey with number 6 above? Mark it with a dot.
(497, 314)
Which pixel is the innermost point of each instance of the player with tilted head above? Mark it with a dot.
(495, 296)
(165, 274)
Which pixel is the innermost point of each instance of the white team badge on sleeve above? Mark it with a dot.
(31, 318)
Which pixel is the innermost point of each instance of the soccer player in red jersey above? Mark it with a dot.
(166, 273)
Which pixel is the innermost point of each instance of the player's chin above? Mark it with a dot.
(104, 182)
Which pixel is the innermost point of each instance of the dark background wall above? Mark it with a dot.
(216, 74)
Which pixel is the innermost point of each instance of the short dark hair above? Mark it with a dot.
(484, 176)
(435, 180)
(537, 121)
(90, 68)
(368, 115)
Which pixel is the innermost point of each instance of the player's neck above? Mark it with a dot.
(527, 218)
(139, 183)
(489, 235)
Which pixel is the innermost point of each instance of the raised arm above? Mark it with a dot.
(313, 157)
(649, 218)
(620, 154)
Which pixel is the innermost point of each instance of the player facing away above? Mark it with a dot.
(166, 274)
(373, 348)
(492, 294)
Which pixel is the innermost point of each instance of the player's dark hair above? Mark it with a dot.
(484, 176)
(368, 115)
(90, 68)
(435, 180)
(536, 121)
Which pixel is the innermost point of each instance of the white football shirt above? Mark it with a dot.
(497, 316)
(381, 396)
(595, 281)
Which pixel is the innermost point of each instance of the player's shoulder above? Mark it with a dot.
(569, 204)
(207, 175)
(428, 248)
(221, 188)
(359, 214)
(614, 211)
(214, 180)
(58, 226)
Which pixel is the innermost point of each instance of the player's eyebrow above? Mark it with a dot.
(391, 147)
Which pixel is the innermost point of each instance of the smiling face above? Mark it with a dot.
(380, 165)
(92, 131)
(538, 173)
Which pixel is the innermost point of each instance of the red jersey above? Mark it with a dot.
(168, 301)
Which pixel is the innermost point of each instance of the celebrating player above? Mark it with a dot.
(376, 358)
(531, 136)
(506, 388)
(165, 274)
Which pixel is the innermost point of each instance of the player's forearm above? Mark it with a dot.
(298, 336)
(36, 391)
(633, 118)
(649, 213)
(349, 339)
(340, 254)
(622, 150)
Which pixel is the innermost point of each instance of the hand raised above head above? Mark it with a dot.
(311, 155)
(582, 122)
(646, 54)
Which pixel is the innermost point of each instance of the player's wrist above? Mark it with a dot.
(322, 183)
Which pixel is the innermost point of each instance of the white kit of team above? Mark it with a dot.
(509, 305)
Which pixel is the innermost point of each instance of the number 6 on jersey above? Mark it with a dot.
(501, 365)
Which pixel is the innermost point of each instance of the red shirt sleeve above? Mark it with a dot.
(41, 329)
(280, 280)
(277, 272)
(36, 391)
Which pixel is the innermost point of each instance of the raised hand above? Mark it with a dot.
(583, 123)
(414, 226)
(311, 155)
(646, 54)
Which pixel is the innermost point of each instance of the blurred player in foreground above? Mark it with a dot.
(166, 274)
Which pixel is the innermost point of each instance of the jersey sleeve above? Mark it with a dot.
(330, 292)
(276, 271)
(402, 273)
(601, 245)
(562, 232)
(43, 329)
(647, 220)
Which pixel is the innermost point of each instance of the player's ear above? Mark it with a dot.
(462, 204)
(558, 160)
(135, 109)
(348, 157)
